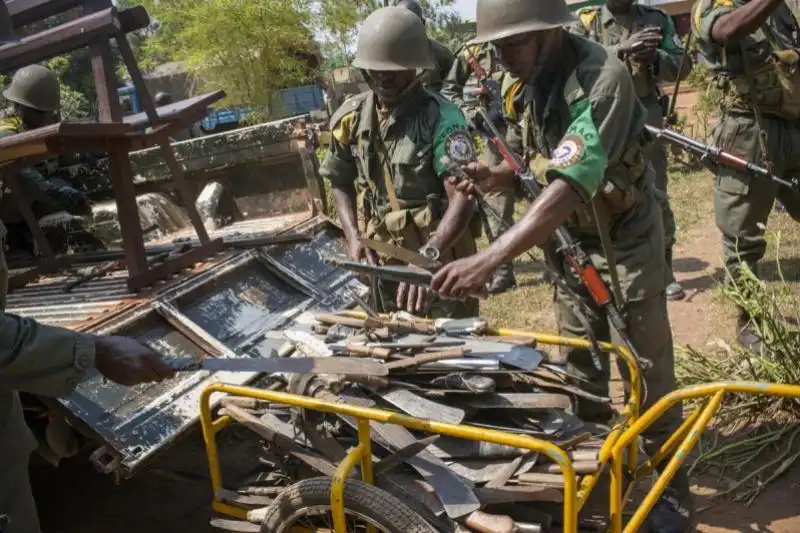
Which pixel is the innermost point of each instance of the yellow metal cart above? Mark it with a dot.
(619, 450)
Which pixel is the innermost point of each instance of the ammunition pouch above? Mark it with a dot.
(411, 228)
(776, 85)
(624, 189)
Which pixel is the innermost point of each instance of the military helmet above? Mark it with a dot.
(413, 6)
(162, 98)
(393, 38)
(35, 86)
(498, 19)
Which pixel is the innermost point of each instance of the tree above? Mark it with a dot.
(249, 48)
(340, 20)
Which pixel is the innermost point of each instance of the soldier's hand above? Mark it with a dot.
(464, 277)
(358, 252)
(411, 298)
(128, 362)
(650, 39)
(481, 178)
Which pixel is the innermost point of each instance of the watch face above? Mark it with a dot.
(430, 252)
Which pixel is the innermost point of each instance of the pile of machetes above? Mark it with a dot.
(450, 371)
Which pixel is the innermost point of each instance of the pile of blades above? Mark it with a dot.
(446, 370)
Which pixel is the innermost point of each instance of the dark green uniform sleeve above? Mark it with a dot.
(339, 165)
(453, 84)
(670, 54)
(705, 13)
(41, 359)
(599, 133)
(451, 139)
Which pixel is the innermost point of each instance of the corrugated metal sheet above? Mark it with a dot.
(46, 301)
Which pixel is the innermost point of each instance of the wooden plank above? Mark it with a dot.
(176, 110)
(146, 278)
(525, 493)
(516, 400)
(551, 480)
(60, 40)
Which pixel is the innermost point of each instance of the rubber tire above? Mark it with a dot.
(385, 510)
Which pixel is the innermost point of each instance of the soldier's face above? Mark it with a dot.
(389, 85)
(527, 55)
(34, 118)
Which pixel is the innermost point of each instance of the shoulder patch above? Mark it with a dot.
(459, 147)
(568, 152)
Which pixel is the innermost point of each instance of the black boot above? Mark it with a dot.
(669, 515)
(503, 280)
(746, 334)
(674, 289)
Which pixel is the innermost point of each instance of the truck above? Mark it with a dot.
(293, 102)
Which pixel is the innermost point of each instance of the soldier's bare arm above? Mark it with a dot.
(731, 27)
(340, 168)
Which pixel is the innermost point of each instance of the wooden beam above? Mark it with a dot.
(59, 40)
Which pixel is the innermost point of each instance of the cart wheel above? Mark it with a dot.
(306, 506)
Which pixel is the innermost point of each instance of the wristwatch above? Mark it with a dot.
(429, 252)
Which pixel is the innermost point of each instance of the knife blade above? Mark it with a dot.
(401, 254)
(271, 365)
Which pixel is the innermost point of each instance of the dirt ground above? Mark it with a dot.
(174, 495)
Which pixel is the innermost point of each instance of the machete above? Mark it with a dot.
(271, 365)
(401, 254)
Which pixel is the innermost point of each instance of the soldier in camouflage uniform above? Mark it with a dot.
(753, 49)
(50, 361)
(458, 84)
(619, 25)
(35, 93)
(578, 108)
(442, 56)
(385, 162)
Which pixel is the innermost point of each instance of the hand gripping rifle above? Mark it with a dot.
(717, 156)
(566, 247)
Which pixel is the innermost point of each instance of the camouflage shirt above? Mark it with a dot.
(443, 58)
(584, 117)
(609, 29)
(779, 32)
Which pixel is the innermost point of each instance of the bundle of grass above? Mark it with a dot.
(755, 439)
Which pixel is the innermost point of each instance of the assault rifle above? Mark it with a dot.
(718, 156)
(566, 247)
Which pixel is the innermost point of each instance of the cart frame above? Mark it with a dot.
(619, 450)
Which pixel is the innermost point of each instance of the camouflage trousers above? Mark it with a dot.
(743, 203)
(500, 201)
(658, 158)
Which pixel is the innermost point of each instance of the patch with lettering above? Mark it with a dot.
(568, 152)
(459, 147)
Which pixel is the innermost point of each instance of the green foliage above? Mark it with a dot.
(249, 48)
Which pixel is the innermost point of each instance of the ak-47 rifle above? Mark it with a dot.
(717, 156)
(566, 247)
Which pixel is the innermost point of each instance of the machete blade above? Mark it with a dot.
(401, 254)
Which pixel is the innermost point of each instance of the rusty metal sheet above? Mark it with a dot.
(237, 302)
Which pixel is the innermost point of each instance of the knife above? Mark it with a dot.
(271, 365)
(401, 254)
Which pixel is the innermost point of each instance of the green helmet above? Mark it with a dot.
(498, 19)
(393, 38)
(35, 86)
